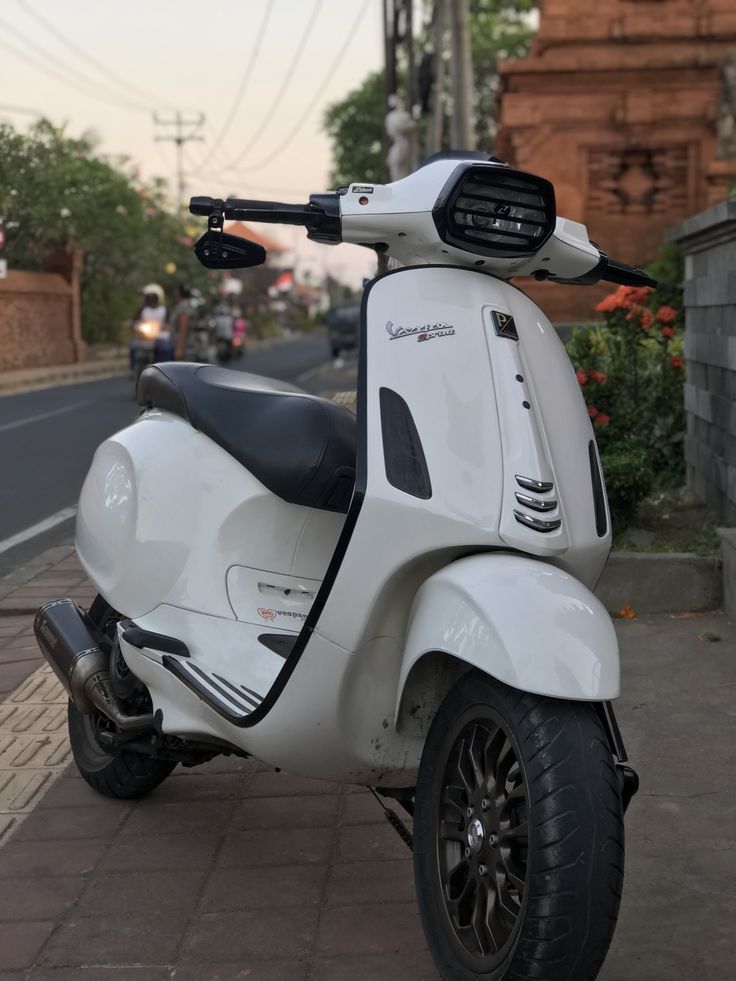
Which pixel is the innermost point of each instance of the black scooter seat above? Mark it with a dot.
(301, 447)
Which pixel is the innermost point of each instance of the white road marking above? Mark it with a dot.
(43, 415)
(41, 526)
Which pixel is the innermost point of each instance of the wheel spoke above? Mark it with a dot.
(479, 920)
(451, 832)
(473, 756)
(519, 833)
(513, 872)
(455, 797)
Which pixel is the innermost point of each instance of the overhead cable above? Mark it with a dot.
(245, 79)
(288, 76)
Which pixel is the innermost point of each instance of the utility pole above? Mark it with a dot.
(183, 133)
(462, 128)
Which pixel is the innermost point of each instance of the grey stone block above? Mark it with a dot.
(728, 557)
(660, 583)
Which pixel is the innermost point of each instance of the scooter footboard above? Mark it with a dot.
(527, 623)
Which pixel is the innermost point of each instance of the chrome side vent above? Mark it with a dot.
(537, 524)
(530, 484)
(535, 503)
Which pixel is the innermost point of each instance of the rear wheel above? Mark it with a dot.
(122, 775)
(518, 836)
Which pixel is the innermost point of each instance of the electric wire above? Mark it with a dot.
(304, 116)
(89, 88)
(104, 70)
(288, 76)
(244, 81)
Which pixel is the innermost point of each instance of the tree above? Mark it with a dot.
(56, 193)
(499, 29)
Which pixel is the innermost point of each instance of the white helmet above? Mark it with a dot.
(156, 290)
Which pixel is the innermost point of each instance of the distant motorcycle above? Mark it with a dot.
(152, 344)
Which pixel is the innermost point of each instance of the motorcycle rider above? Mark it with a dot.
(152, 308)
(181, 318)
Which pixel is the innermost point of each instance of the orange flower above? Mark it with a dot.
(581, 377)
(676, 361)
(597, 376)
(668, 332)
(592, 411)
(666, 315)
(646, 319)
(601, 419)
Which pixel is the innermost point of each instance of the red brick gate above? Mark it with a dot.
(39, 315)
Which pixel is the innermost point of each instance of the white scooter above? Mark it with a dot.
(400, 600)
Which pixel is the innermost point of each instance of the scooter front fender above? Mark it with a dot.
(523, 621)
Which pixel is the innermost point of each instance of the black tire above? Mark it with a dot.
(123, 776)
(556, 814)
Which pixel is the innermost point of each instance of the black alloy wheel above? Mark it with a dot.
(482, 837)
(518, 836)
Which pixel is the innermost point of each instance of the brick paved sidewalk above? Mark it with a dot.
(233, 871)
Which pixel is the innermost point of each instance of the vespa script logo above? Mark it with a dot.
(426, 332)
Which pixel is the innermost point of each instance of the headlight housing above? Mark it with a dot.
(495, 211)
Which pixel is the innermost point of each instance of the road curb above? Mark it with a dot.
(17, 383)
(661, 582)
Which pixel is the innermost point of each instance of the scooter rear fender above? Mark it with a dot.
(523, 621)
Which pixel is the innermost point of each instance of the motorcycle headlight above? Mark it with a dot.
(149, 329)
(495, 211)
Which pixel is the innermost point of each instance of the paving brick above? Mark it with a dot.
(148, 940)
(20, 943)
(150, 892)
(246, 969)
(46, 858)
(158, 817)
(263, 934)
(262, 888)
(68, 792)
(11, 675)
(318, 810)
(137, 853)
(271, 784)
(100, 973)
(371, 882)
(282, 847)
(31, 898)
(363, 808)
(388, 928)
(199, 786)
(64, 823)
(394, 968)
(367, 842)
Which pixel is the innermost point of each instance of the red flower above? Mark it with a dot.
(597, 376)
(646, 319)
(592, 411)
(601, 419)
(624, 298)
(581, 377)
(676, 361)
(668, 332)
(666, 315)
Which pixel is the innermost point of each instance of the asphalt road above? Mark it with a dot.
(48, 437)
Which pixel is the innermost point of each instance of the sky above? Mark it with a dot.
(261, 71)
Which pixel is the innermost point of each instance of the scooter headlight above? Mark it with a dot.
(495, 211)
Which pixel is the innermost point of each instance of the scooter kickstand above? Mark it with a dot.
(396, 823)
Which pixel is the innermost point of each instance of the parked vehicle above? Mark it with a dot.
(343, 326)
(401, 600)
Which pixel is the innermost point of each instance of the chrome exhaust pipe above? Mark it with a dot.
(79, 663)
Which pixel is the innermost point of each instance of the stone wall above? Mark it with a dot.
(39, 316)
(708, 242)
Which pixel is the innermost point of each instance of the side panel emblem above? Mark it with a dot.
(504, 324)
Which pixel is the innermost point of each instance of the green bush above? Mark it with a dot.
(631, 373)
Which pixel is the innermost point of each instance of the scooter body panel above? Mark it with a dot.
(186, 515)
(522, 621)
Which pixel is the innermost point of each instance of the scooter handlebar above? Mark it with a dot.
(623, 274)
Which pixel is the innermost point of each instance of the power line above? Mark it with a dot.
(245, 79)
(88, 58)
(317, 95)
(88, 83)
(23, 110)
(284, 85)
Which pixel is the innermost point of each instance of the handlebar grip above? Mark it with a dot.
(203, 205)
(623, 274)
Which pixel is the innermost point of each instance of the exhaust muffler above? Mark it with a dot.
(80, 664)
